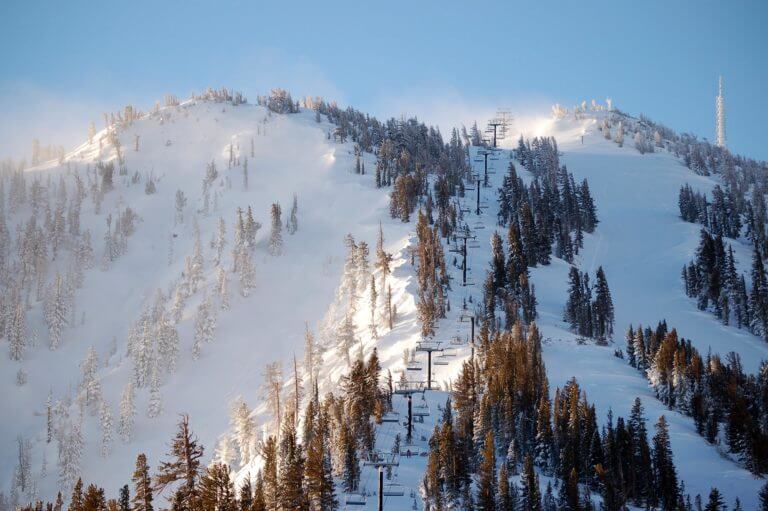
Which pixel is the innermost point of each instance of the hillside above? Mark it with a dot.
(301, 284)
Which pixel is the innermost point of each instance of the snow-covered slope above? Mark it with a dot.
(291, 155)
(640, 242)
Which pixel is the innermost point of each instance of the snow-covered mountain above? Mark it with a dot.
(169, 276)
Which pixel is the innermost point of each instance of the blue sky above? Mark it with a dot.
(63, 63)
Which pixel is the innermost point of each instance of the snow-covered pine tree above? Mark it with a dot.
(220, 241)
(90, 385)
(205, 325)
(374, 297)
(223, 288)
(155, 407)
(292, 225)
(271, 390)
(107, 427)
(276, 236)
(127, 412)
(245, 430)
(167, 342)
(70, 455)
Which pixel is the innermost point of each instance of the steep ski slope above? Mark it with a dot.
(291, 155)
(641, 243)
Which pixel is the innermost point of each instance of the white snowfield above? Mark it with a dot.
(641, 243)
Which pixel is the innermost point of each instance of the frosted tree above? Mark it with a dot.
(245, 272)
(250, 229)
(49, 427)
(348, 285)
(197, 262)
(56, 310)
(21, 377)
(127, 412)
(245, 173)
(271, 389)
(181, 203)
(292, 225)
(276, 236)
(245, 429)
(373, 301)
(619, 137)
(22, 482)
(170, 248)
(155, 407)
(17, 335)
(142, 350)
(106, 423)
(177, 307)
(90, 385)
(167, 342)
(223, 288)
(346, 338)
(85, 255)
(205, 326)
(70, 456)
(363, 266)
(383, 259)
(220, 241)
(311, 355)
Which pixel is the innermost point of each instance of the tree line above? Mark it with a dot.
(727, 405)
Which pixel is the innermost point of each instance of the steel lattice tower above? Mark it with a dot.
(720, 113)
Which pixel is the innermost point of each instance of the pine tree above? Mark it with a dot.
(715, 502)
(374, 300)
(217, 490)
(182, 468)
(76, 500)
(127, 413)
(351, 470)
(105, 418)
(763, 497)
(124, 500)
(291, 468)
(245, 429)
(293, 221)
(486, 476)
(531, 493)
(276, 236)
(603, 307)
(93, 499)
(319, 476)
(142, 486)
(665, 476)
(271, 486)
(155, 407)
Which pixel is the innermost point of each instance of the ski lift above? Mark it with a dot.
(448, 352)
(390, 417)
(421, 409)
(438, 362)
(414, 365)
(410, 450)
(409, 387)
(456, 340)
(393, 490)
(354, 499)
(381, 459)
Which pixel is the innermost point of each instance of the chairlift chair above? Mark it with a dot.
(393, 490)
(354, 499)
